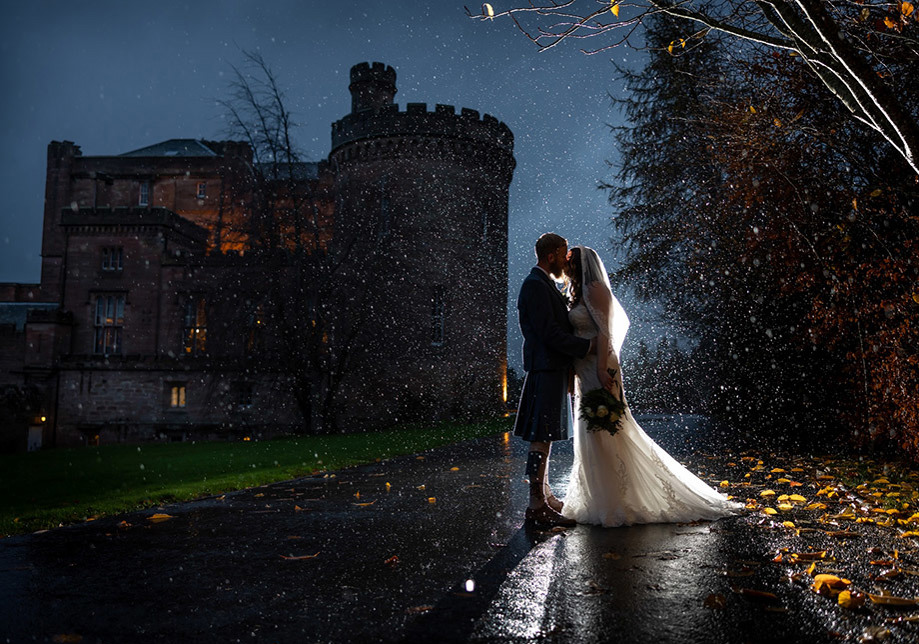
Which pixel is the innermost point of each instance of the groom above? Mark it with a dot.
(549, 347)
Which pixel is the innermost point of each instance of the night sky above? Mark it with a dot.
(116, 76)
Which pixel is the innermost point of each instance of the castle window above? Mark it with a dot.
(175, 395)
(195, 334)
(112, 258)
(438, 317)
(144, 197)
(202, 190)
(108, 324)
(242, 394)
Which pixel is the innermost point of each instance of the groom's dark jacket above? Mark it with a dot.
(548, 340)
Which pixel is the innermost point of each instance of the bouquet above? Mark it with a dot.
(601, 410)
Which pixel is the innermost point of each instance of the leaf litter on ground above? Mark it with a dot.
(847, 529)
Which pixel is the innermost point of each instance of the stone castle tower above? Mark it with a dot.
(432, 189)
(151, 320)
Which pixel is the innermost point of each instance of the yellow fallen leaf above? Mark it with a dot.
(615, 8)
(829, 585)
(785, 507)
(850, 600)
(797, 498)
(259, 495)
(157, 518)
(767, 493)
(454, 469)
(724, 484)
(432, 499)
(770, 511)
(420, 487)
(788, 524)
(816, 506)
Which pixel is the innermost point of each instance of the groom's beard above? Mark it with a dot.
(558, 272)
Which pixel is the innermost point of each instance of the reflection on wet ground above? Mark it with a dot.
(427, 547)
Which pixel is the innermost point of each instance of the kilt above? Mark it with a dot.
(544, 412)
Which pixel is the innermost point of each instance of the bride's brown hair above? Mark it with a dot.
(575, 277)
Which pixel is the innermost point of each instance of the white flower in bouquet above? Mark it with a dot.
(602, 411)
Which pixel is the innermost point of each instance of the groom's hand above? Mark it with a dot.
(593, 347)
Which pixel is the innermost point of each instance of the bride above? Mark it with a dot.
(626, 478)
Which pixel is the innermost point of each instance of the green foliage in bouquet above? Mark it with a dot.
(601, 410)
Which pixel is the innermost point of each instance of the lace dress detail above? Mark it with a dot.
(628, 478)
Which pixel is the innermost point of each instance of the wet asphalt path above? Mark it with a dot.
(438, 554)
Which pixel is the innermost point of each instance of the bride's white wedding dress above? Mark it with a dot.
(627, 478)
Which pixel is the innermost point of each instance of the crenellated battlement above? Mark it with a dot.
(415, 120)
(375, 72)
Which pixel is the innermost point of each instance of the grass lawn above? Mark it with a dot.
(48, 488)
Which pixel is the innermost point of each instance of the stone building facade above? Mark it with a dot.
(147, 323)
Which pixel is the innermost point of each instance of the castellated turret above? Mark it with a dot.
(372, 86)
(429, 188)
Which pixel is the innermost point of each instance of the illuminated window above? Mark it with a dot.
(108, 324)
(144, 198)
(438, 317)
(176, 395)
(112, 258)
(195, 335)
(202, 190)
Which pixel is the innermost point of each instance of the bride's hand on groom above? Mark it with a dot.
(606, 381)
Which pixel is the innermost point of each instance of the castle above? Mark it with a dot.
(154, 318)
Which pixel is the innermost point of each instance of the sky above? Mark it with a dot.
(117, 76)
